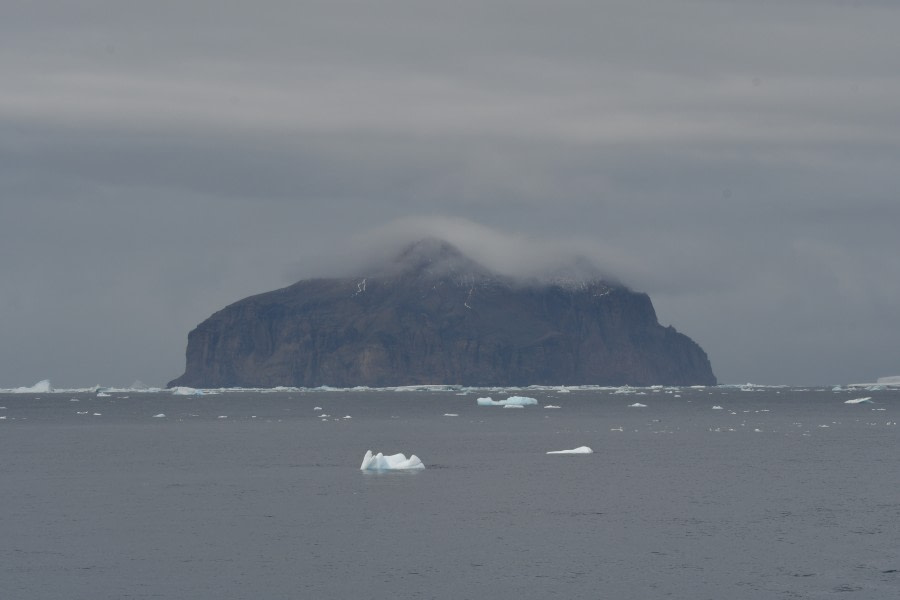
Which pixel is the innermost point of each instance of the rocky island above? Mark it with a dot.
(434, 316)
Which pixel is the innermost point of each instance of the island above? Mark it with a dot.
(435, 316)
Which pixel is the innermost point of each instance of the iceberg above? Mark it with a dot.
(637, 405)
(578, 450)
(858, 400)
(41, 387)
(394, 462)
(511, 401)
(159, 416)
(552, 406)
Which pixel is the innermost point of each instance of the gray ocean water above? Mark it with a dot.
(781, 493)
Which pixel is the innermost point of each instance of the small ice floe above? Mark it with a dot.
(617, 429)
(222, 416)
(552, 406)
(513, 406)
(73, 399)
(102, 395)
(451, 415)
(717, 407)
(317, 408)
(511, 401)
(757, 430)
(160, 416)
(637, 405)
(858, 400)
(186, 391)
(578, 450)
(347, 417)
(324, 416)
(394, 462)
(98, 415)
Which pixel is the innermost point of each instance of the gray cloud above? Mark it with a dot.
(735, 160)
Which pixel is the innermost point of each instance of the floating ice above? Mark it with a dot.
(102, 395)
(347, 417)
(317, 408)
(552, 406)
(717, 407)
(186, 391)
(513, 406)
(159, 416)
(394, 462)
(858, 400)
(511, 401)
(41, 387)
(637, 405)
(223, 416)
(578, 450)
(451, 415)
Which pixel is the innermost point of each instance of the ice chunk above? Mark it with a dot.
(451, 415)
(858, 400)
(552, 406)
(102, 395)
(511, 401)
(317, 408)
(513, 406)
(578, 450)
(41, 387)
(717, 407)
(637, 405)
(186, 391)
(380, 462)
(159, 416)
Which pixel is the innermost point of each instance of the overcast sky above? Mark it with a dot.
(736, 160)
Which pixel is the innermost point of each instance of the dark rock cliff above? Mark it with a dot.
(436, 317)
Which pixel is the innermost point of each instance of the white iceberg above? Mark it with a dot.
(858, 400)
(394, 462)
(637, 405)
(511, 401)
(186, 391)
(578, 450)
(41, 387)
(552, 406)
(717, 407)
(159, 416)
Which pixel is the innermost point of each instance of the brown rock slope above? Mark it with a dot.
(436, 317)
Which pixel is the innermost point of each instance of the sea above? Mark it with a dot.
(727, 492)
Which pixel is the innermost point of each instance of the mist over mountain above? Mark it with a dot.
(433, 315)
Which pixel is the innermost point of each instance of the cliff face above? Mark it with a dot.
(437, 317)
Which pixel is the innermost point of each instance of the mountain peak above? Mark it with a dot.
(432, 257)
